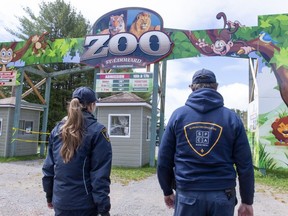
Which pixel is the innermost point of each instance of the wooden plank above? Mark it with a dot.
(29, 91)
(34, 88)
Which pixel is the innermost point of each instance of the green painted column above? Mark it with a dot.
(18, 90)
(154, 115)
(162, 101)
(45, 116)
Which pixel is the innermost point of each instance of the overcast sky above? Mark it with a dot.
(232, 74)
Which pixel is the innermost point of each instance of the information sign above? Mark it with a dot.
(124, 82)
(8, 78)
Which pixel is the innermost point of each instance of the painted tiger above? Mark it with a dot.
(116, 25)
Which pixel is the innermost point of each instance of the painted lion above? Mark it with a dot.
(116, 25)
(142, 24)
(280, 130)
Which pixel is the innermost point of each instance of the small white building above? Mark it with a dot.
(128, 121)
(23, 138)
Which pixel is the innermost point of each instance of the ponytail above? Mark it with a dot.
(72, 130)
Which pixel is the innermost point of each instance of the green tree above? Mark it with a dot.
(60, 20)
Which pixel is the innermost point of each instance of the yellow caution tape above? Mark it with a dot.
(31, 132)
(23, 140)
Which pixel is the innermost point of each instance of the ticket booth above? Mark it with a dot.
(128, 121)
(26, 142)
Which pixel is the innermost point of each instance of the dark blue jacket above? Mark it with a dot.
(202, 142)
(84, 182)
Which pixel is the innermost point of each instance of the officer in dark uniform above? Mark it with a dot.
(204, 148)
(78, 165)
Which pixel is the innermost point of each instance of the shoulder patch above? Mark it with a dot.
(105, 134)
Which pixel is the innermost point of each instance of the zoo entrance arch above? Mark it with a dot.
(117, 41)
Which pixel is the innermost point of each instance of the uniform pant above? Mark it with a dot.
(205, 203)
(82, 212)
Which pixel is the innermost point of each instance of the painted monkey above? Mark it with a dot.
(8, 54)
(222, 41)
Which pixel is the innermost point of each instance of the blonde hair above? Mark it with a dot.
(72, 130)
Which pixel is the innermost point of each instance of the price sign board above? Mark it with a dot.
(8, 78)
(124, 82)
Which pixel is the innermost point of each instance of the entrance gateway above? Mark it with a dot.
(119, 41)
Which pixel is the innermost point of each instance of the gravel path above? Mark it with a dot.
(21, 194)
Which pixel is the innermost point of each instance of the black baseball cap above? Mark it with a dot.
(203, 76)
(85, 95)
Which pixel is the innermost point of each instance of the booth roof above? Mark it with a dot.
(124, 97)
(10, 102)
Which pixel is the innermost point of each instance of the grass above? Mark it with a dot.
(277, 179)
(125, 175)
(20, 158)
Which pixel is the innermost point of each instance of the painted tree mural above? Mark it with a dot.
(235, 40)
(268, 41)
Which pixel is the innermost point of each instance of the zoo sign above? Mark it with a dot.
(126, 38)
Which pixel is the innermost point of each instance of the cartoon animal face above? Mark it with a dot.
(143, 21)
(142, 24)
(280, 129)
(6, 55)
(283, 129)
(116, 24)
(221, 47)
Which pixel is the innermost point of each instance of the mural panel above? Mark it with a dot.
(136, 37)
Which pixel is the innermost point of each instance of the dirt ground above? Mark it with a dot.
(21, 195)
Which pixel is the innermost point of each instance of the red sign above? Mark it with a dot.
(8, 78)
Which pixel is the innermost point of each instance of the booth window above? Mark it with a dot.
(119, 125)
(148, 128)
(1, 126)
(25, 127)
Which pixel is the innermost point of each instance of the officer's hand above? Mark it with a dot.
(245, 210)
(50, 205)
(169, 200)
